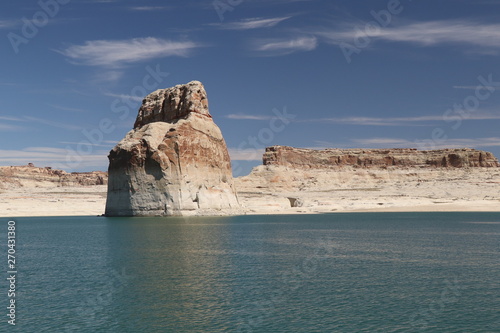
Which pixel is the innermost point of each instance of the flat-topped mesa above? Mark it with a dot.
(377, 158)
(173, 103)
(31, 176)
(175, 160)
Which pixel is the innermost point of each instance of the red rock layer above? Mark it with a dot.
(378, 158)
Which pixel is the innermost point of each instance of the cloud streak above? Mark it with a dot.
(125, 97)
(116, 53)
(9, 118)
(149, 8)
(49, 156)
(450, 143)
(378, 121)
(68, 127)
(246, 154)
(248, 117)
(5, 24)
(401, 121)
(285, 46)
(10, 128)
(65, 108)
(432, 33)
(491, 88)
(254, 23)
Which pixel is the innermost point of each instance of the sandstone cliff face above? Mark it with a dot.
(32, 176)
(174, 103)
(175, 160)
(377, 158)
(294, 180)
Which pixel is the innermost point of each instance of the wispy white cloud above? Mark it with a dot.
(248, 117)
(472, 143)
(425, 120)
(125, 97)
(253, 23)
(481, 87)
(444, 32)
(285, 46)
(385, 142)
(69, 127)
(54, 157)
(6, 24)
(273, 2)
(9, 118)
(401, 121)
(116, 53)
(376, 121)
(65, 108)
(10, 128)
(86, 143)
(246, 154)
(483, 116)
(102, 1)
(321, 144)
(449, 143)
(45, 150)
(108, 76)
(149, 8)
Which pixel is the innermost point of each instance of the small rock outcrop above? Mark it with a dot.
(175, 160)
(377, 158)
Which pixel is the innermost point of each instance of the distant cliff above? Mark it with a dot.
(377, 158)
(32, 176)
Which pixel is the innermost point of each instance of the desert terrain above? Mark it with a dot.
(278, 190)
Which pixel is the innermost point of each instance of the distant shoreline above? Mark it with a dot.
(29, 191)
(90, 201)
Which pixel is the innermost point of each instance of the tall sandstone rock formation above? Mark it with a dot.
(377, 158)
(175, 160)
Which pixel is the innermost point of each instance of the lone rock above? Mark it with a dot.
(174, 162)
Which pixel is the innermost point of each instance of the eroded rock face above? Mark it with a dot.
(173, 103)
(377, 158)
(174, 162)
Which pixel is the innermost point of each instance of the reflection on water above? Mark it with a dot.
(385, 272)
(181, 271)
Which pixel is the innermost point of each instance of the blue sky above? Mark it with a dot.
(303, 73)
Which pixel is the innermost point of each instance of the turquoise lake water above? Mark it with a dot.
(356, 272)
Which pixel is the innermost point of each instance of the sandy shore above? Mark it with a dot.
(92, 200)
(56, 201)
(295, 192)
(277, 190)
